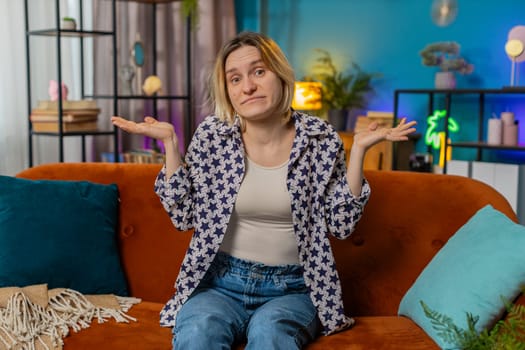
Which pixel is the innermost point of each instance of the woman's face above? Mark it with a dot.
(255, 92)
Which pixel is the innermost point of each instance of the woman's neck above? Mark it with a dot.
(269, 144)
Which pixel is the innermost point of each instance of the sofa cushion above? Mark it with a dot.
(390, 332)
(377, 332)
(481, 263)
(146, 333)
(62, 233)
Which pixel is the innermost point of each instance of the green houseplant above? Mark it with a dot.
(507, 334)
(190, 9)
(341, 91)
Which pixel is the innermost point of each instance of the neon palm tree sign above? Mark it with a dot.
(435, 138)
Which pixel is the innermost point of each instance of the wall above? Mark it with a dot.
(13, 124)
(386, 36)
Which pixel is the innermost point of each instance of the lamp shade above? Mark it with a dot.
(307, 96)
(515, 44)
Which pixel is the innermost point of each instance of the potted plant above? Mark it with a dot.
(341, 91)
(69, 23)
(190, 9)
(445, 55)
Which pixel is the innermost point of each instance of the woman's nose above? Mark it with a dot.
(248, 86)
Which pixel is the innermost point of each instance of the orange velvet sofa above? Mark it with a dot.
(409, 217)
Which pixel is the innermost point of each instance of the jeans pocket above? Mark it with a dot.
(210, 276)
(215, 276)
(290, 284)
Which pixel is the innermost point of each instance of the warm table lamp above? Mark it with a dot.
(307, 96)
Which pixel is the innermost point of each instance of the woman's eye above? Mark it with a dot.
(259, 72)
(235, 80)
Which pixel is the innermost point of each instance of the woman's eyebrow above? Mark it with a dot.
(253, 63)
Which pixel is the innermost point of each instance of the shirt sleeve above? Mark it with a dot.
(344, 209)
(175, 196)
(177, 192)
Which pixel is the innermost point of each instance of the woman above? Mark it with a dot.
(262, 186)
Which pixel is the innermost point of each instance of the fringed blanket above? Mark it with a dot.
(35, 318)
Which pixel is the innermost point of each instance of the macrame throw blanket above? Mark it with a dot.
(35, 318)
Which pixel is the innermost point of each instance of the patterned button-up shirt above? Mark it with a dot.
(201, 195)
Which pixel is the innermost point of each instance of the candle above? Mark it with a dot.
(510, 134)
(507, 118)
(495, 131)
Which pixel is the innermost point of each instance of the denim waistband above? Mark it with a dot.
(241, 266)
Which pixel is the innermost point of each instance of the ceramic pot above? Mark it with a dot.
(445, 80)
(342, 119)
(69, 24)
(338, 118)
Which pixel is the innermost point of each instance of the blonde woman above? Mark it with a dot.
(263, 187)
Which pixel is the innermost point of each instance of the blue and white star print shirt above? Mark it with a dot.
(202, 193)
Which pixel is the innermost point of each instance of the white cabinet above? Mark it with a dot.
(505, 178)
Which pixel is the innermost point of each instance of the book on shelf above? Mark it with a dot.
(380, 114)
(66, 117)
(66, 127)
(67, 105)
(84, 111)
(143, 156)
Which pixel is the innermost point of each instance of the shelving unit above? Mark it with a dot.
(82, 34)
(186, 96)
(79, 34)
(61, 34)
(448, 94)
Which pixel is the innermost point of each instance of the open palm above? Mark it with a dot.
(375, 134)
(149, 127)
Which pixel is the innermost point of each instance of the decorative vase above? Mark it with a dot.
(338, 118)
(445, 80)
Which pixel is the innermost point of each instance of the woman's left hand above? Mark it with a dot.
(375, 134)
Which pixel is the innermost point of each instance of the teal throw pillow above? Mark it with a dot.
(62, 233)
(483, 262)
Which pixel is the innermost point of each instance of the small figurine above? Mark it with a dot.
(53, 90)
(152, 85)
(127, 73)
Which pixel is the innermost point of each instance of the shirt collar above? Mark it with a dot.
(228, 129)
(303, 126)
(308, 126)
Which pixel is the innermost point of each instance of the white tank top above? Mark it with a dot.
(261, 228)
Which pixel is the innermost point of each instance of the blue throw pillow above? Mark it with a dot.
(481, 264)
(62, 233)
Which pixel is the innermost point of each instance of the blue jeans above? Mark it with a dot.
(268, 307)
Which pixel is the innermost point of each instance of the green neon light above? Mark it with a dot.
(432, 135)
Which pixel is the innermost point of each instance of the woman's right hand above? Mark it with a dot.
(161, 131)
(150, 127)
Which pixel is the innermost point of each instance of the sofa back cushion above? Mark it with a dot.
(409, 217)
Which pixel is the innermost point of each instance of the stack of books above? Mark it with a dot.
(144, 156)
(77, 116)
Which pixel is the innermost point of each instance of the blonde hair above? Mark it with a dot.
(272, 56)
